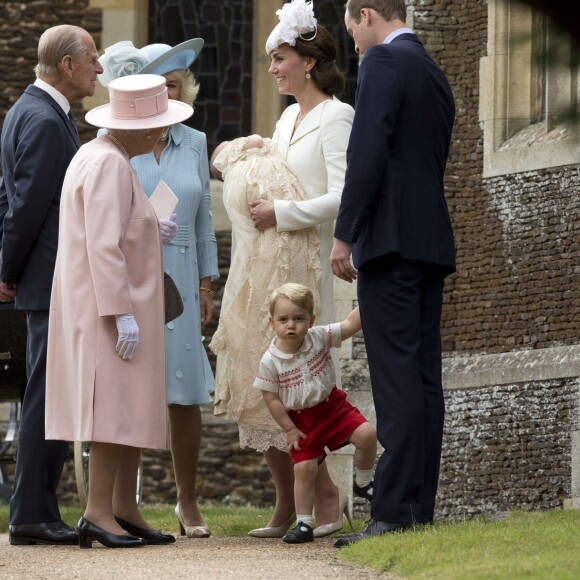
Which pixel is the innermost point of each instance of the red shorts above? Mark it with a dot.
(328, 424)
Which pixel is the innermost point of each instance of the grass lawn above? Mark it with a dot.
(524, 545)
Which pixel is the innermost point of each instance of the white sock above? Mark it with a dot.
(363, 476)
(305, 519)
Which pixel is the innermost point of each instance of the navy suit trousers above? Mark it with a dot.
(400, 303)
(39, 462)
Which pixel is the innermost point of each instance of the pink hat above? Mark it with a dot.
(138, 102)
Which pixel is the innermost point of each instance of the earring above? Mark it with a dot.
(149, 136)
(308, 76)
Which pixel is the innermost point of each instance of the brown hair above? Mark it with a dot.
(388, 9)
(297, 294)
(325, 73)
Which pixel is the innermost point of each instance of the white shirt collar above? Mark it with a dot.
(396, 33)
(56, 95)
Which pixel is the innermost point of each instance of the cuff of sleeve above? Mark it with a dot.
(207, 260)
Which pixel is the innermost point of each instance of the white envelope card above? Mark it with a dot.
(163, 201)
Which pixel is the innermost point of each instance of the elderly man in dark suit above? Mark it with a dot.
(394, 221)
(39, 138)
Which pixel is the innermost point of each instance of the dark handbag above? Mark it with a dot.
(173, 301)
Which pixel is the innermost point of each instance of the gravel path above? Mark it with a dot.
(214, 558)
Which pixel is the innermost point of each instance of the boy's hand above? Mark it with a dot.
(293, 439)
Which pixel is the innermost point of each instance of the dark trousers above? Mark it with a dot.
(39, 462)
(400, 303)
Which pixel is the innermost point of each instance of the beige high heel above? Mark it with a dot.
(272, 531)
(328, 529)
(190, 531)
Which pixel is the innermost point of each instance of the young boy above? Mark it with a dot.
(298, 383)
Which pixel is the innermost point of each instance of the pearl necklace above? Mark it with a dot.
(118, 143)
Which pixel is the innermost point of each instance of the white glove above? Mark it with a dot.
(168, 229)
(128, 335)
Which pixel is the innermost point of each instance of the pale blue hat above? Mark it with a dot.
(165, 58)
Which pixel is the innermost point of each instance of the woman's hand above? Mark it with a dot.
(128, 335)
(262, 214)
(206, 306)
(168, 229)
(293, 439)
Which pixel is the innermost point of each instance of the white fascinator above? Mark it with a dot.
(296, 19)
(120, 60)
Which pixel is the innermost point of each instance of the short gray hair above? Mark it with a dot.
(55, 43)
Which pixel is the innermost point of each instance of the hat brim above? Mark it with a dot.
(176, 113)
(160, 64)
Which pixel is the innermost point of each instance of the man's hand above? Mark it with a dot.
(262, 214)
(7, 292)
(340, 261)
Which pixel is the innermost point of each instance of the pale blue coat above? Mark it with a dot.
(192, 255)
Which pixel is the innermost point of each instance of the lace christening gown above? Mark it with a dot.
(261, 262)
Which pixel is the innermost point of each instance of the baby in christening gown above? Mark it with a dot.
(261, 262)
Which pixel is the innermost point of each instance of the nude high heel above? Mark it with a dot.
(328, 529)
(271, 531)
(190, 531)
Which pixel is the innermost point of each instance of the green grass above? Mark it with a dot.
(223, 520)
(524, 545)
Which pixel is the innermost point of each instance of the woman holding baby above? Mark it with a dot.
(312, 137)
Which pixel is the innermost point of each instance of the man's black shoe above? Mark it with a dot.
(366, 492)
(299, 534)
(372, 529)
(43, 533)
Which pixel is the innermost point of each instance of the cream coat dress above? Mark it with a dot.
(109, 262)
(316, 153)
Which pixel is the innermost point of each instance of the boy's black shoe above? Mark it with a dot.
(299, 534)
(365, 492)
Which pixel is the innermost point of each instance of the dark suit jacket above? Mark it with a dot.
(393, 200)
(38, 142)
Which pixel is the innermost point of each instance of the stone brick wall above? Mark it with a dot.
(507, 447)
(516, 285)
(21, 24)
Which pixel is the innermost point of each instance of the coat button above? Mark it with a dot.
(188, 347)
(178, 374)
(182, 250)
(170, 325)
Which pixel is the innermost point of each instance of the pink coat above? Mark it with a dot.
(109, 262)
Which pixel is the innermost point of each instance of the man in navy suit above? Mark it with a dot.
(39, 138)
(394, 221)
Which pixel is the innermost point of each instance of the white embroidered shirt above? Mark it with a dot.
(305, 378)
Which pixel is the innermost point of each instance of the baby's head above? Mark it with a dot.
(298, 294)
(254, 142)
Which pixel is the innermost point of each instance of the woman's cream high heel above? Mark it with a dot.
(343, 510)
(190, 531)
(271, 531)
